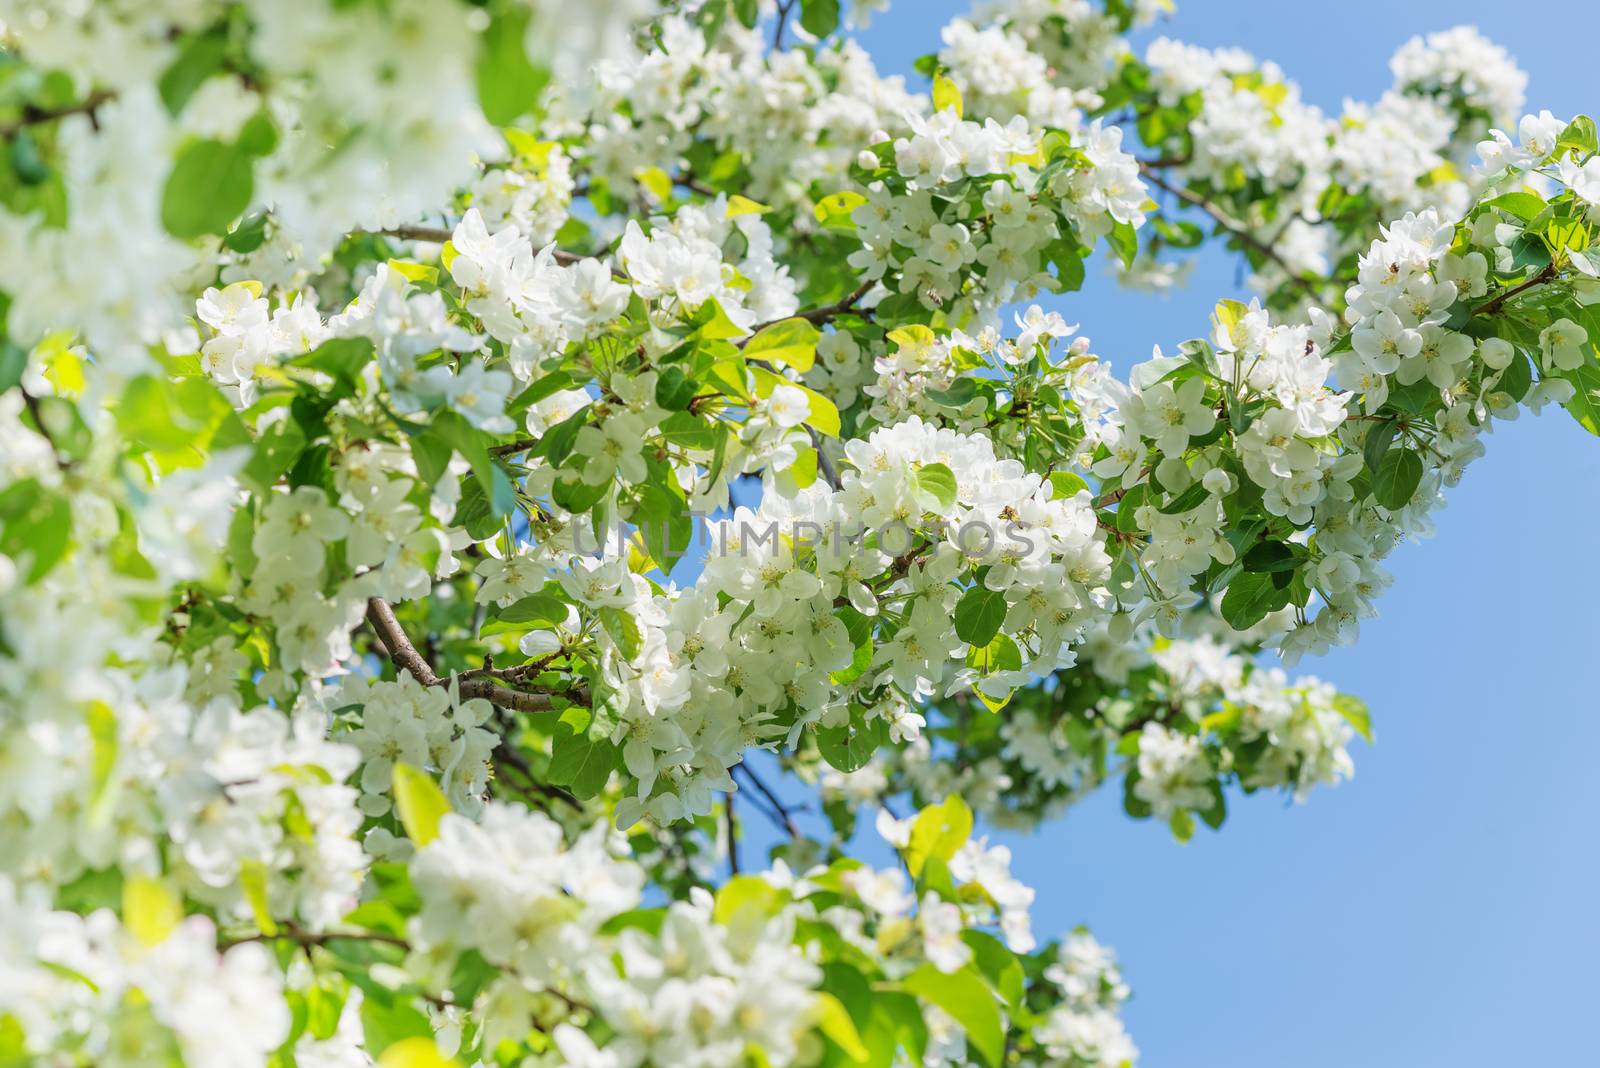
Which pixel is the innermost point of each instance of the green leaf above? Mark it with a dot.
(1124, 241)
(979, 614)
(674, 390)
(342, 357)
(1395, 481)
(1585, 403)
(1379, 437)
(1065, 484)
(824, 415)
(1579, 135)
(473, 445)
(1517, 378)
(1268, 557)
(1188, 500)
(415, 1052)
(104, 744)
(198, 59)
(13, 363)
(819, 17)
(1067, 258)
(209, 187)
(386, 1023)
(547, 386)
(936, 483)
(966, 998)
(998, 964)
(746, 895)
(557, 442)
(258, 136)
(1354, 710)
(151, 910)
(834, 1022)
(582, 764)
(37, 522)
(538, 612)
(276, 451)
(791, 342)
(420, 803)
(833, 211)
(253, 881)
(850, 746)
(508, 83)
(624, 630)
(747, 12)
(939, 831)
(1250, 597)
(1523, 205)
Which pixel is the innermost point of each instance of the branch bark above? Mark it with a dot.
(405, 657)
(32, 116)
(1232, 226)
(438, 235)
(1494, 305)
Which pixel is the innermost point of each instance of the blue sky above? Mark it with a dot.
(1439, 909)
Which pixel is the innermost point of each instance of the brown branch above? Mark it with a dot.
(1234, 227)
(520, 445)
(1494, 305)
(289, 931)
(32, 404)
(784, 7)
(32, 115)
(405, 657)
(782, 811)
(438, 235)
(828, 312)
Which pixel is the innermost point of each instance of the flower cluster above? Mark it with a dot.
(440, 442)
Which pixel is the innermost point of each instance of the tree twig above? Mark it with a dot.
(781, 810)
(32, 115)
(289, 931)
(784, 7)
(732, 822)
(438, 235)
(1494, 305)
(1232, 226)
(828, 312)
(405, 657)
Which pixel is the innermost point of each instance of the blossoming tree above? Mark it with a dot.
(441, 442)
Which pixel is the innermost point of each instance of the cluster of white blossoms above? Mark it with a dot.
(1246, 129)
(431, 727)
(1084, 1029)
(787, 118)
(699, 981)
(436, 435)
(322, 126)
(127, 993)
(1216, 716)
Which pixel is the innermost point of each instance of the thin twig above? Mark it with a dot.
(1234, 227)
(405, 657)
(289, 931)
(824, 465)
(33, 115)
(1494, 305)
(733, 833)
(32, 404)
(438, 235)
(778, 806)
(784, 7)
(828, 312)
